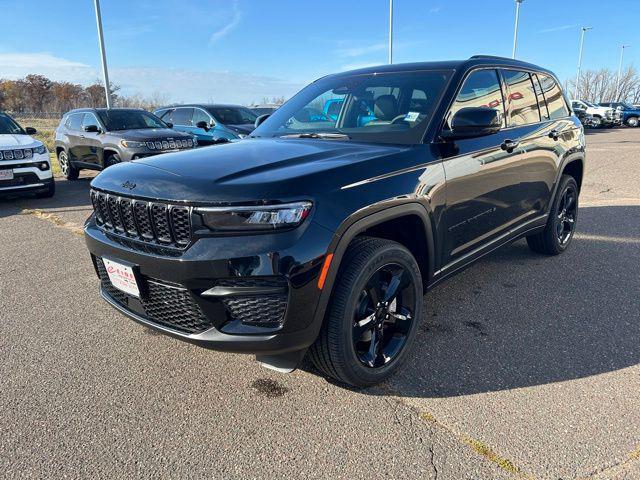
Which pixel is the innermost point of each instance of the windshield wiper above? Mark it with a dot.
(321, 135)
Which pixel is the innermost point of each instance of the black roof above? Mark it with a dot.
(203, 105)
(474, 61)
(103, 109)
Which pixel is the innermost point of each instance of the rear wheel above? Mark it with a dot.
(596, 122)
(561, 224)
(632, 122)
(373, 315)
(68, 170)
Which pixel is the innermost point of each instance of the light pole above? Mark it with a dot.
(515, 29)
(103, 55)
(582, 32)
(390, 32)
(623, 46)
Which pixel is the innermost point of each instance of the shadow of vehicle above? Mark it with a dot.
(519, 319)
(68, 195)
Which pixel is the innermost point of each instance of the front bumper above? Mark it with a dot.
(176, 289)
(28, 174)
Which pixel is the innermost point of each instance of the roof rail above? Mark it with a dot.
(490, 56)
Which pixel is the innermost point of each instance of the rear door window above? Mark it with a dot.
(523, 104)
(553, 95)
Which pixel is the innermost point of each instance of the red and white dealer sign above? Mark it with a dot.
(122, 277)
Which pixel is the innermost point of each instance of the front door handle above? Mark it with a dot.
(554, 134)
(509, 145)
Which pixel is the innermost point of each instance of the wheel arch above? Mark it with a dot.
(386, 223)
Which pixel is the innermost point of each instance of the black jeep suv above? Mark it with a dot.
(320, 234)
(96, 138)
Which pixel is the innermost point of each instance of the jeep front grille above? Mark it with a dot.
(149, 222)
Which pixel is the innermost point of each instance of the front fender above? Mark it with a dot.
(361, 221)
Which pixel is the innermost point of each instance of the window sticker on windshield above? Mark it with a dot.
(411, 116)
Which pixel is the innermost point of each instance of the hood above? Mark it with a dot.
(245, 128)
(11, 140)
(252, 170)
(150, 134)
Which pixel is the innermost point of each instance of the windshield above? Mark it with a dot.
(129, 120)
(8, 126)
(626, 105)
(374, 107)
(233, 115)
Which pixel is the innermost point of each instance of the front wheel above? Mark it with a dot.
(68, 170)
(373, 316)
(112, 159)
(632, 122)
(561, 224)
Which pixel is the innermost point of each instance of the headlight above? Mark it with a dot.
(267, 217)
(40, 149)
(131, 144)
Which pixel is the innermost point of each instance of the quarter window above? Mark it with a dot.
(523, 105)
(553, 95)
(480, 89)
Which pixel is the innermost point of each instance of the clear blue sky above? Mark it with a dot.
(243, 50)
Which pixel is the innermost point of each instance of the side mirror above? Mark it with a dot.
(203, 125)
(91, 128)
(169, 124)
(218, 140)
(261, 119)
(472, 122)
(30, 131)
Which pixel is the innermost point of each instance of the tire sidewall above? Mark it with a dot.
(632, 122)
(393, 253)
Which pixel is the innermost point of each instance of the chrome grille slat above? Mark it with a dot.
(156, 223)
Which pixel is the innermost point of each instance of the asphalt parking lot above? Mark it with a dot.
(526, 366)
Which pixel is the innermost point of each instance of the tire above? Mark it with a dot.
(68, 170)
(596, 122)
(346, 348)
(561, 224)
(633, 122)
(112, 159)
(49, 192)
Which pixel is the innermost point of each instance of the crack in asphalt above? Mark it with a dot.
(54, 220)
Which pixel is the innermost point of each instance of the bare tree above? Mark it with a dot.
(603, 86)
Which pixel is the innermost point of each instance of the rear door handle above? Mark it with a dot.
(554, 134)
(509, 145)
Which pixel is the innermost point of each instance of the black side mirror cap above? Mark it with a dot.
(203, 125)
(91, 128)
(30, 131)
(261, 119)
(470, 122)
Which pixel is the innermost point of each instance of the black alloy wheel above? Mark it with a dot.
(566, 215)
(561, 223)
(383, 316)
(376, 306)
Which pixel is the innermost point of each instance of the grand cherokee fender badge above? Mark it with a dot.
(129, 185)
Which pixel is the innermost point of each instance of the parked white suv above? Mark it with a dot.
(25, 165)
(602, 116)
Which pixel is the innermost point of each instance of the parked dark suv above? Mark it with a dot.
(96, 138)
(321, 235)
